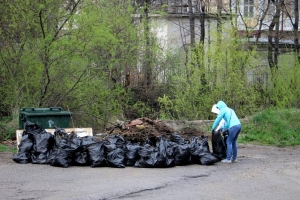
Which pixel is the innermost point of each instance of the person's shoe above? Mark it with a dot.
(226, 161)
(234, 160)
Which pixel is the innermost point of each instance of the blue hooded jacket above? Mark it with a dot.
(227, 114)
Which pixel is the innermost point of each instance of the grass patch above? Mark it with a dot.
(278, 127)
(4, 148)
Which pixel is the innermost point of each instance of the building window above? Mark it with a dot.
(249, 8)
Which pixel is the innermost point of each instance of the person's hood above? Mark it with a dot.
(214, 109)
(221, 105)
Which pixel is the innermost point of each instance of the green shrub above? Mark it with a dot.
(278, 127)
(7, 131)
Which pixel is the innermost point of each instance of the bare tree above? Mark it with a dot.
(273, 52)
(261, 20)
(202, 21)
(147, 67)
(296, 25)
(294, 19)
(192, 22)
(219, 20)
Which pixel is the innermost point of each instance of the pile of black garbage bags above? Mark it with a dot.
(63, 150)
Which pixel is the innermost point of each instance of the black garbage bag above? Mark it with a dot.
(108, 147)
(51, 155)
(114, 153)
(87, 140)
(208, 159)
(148, 156)
(24, 150)
(81, 158)
(203, 144)
(63, 158)
(200, 151)
(116, 158)
(175, 137)
(96, 154)
(59, 134)
(75, 141)
(131, 153)
(33, 128)
(39, 158)
(218, 145)
(165, 153)
(152, 140)
(22, 157)
(43, 142)
(181, 150)
(35, 144)
(65, 152)
(182, 154)
(118, 140)
(26, 144)
(81, 155)
(196, 148)
(160, 155)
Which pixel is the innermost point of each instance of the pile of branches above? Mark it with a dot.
(142, 129)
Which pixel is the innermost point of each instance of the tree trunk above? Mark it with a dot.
(219, 32)
(261, 21)
(147, 62)
(192, 22)
(202, 21)
(296, 25)
(219, 20)
(272, 56)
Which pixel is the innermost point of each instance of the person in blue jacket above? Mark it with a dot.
(234, 126)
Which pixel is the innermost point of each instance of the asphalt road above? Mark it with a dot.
(261, 173)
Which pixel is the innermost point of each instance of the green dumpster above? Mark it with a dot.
(48, 118)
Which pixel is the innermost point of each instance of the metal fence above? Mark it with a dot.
(258, 78)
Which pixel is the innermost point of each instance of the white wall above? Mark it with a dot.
(174, 32)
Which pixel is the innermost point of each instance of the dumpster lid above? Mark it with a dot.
(44, 111)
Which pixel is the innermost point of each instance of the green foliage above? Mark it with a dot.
(76, 56)
(188, 98)
(100, 104)
(7, 131)
(141, 109)
(166, 107)
(4, 148)
(210, 77)
(285, 91)
(278, 127)
(41, 60)
(72, 56)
